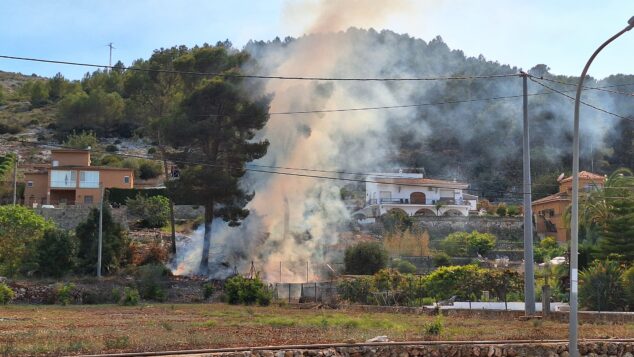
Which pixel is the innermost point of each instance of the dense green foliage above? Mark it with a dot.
(152, 282)
(56, 253)
(122, 195)
(20, 231)
(601, 286)
(396, 220)
(153, 211)
(388, 286)
(365, 258)
(403, 266)
(82, 140)
(240, 290)
(468, 244)
(6, 294)
(547, 249)
(114, 245)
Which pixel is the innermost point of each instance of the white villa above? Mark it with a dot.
(415, 195)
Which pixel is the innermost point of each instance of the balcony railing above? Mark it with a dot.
(63, 184)
(406, 201)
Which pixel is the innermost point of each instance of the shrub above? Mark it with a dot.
(208, 290)
(461, 281)
(433, 328)
(114, 242)
(20, 231)
(396, 221)
(82, 140)
(56, 253)
(112, 148)
(63, 293)
(241, 290)
(404, 266)
(151, 151)
(152, 280)
(153, 211)
(600, 286)
(365, 258)
(468, 244)
(513, 210)
(441, 259)
(628, 286)
(501, 210)
(130, 297)
(6, 294)
(149, 169)
(428, 301)
(356, 290)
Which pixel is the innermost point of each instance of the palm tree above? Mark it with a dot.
(595, 206)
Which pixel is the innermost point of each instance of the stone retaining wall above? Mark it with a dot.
(623, 348)
(69, 217)
(504, 228)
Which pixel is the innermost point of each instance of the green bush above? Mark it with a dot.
(56, 253)
(149, 169)
(153, 211)
(81, 140)
(208, 290)
(240, 290)
(152, 281)
(501, 210)
(356, 290)
(6, 294)
(404, 266)
(461, 281)
(20, 231)
(460, 244)
(64, 293)
(513, 210)
(365, 258)
(441, 259)
(151, 151)
(628, 287)
(433, 328)
(601, 286)
(428, 301)
(114, 243)
(112, 148)
(396, 221)
(130, 297)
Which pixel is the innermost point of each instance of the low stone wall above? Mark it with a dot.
(440, 349)
(504, 228)
(69, 217)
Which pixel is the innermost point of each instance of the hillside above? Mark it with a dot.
(472, 138)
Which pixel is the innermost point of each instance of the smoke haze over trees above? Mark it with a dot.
(470, 137)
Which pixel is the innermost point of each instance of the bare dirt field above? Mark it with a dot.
(56, 330)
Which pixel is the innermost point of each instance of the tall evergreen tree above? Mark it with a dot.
(618, 234)
(215, 131)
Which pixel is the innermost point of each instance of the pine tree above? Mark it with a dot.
(215, 133)
(618, 234)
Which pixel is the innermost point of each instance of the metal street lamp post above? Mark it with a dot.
(574, 224)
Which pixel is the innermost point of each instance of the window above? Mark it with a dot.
(63, 179)
(29, 184)
(55, 163)
(88, 200)
(89, 179)
(126, 179)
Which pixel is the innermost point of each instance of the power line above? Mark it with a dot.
(234, 75)
(604, 89)
(582, 102)
(257, 170)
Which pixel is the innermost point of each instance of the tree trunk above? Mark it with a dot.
(204, 259)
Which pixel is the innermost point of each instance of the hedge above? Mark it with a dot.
(120, 195)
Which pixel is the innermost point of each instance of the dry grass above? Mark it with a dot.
(54, 330)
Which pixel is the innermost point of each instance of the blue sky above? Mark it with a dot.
(560, 33)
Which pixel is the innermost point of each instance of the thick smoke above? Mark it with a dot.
(295, 220)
